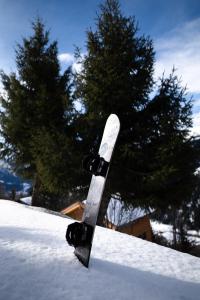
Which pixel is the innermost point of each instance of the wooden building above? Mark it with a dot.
(75, 211)
(139, 225)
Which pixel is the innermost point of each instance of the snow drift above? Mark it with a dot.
(37, 263)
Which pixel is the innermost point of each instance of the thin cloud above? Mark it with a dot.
(196, 124)
(197, 102)
(180, 48)
(66, 58)
(69, 59)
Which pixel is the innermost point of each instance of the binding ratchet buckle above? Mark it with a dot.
(96, 165)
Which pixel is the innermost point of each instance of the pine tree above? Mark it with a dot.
(155, 160)
(173, 157)
(34, 118)
(116, 78)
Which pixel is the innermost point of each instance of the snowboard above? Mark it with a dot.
(80, 235)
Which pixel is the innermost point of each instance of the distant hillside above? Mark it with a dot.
(11, 181)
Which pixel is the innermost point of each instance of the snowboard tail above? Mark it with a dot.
(80, 235)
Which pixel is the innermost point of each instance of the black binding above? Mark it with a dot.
(96, 165)
(79, 234)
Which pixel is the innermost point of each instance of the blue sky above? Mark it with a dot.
(174, 26)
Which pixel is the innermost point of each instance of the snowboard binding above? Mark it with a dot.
(79, 234)
(96, 165)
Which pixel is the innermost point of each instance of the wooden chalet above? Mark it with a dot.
(141, 228)
(138, 225)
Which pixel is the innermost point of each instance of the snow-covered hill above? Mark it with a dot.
(37, 263)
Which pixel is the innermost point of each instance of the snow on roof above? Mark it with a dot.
(119, 215)
(37, 263)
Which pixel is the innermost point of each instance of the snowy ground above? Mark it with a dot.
(37, 263)
(167, 232)
(26, 200)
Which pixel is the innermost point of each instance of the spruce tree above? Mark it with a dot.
(116, 78)
(155, 160)
(173, 157)
(34, 118)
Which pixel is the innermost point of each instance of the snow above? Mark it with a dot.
(163, 229)
(167, 232)
(118, 214)
(26, 200)
(37, 263)
(26, 187)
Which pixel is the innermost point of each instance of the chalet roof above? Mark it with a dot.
(73, 207)
(118, 214)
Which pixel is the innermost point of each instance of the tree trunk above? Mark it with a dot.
(36, 192)
(174, 228)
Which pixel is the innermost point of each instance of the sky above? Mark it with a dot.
(173, 25)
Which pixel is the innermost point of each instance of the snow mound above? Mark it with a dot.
(26, 200)
(37, 263)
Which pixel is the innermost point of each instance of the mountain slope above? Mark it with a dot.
(37, 263)
(12, 181)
